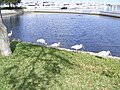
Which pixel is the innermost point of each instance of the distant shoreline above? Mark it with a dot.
(115, 14)
(11, 12)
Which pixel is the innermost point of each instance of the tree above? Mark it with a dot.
(15, 2)
(4, 40)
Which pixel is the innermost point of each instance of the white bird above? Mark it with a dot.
(42, 41)
(77, 46)
(104, 53)
(10, 34)
(55, 44)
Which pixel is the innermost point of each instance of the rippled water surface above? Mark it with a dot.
(96, 33)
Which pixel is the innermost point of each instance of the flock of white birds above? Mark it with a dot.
(76, 47)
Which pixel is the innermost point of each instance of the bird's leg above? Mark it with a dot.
(76, 50)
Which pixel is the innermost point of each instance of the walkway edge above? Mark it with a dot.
(103, 13)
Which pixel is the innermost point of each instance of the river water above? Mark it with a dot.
(96, 33)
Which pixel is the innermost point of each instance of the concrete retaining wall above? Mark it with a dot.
(16, 12)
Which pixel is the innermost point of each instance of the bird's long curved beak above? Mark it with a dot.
(83, 47)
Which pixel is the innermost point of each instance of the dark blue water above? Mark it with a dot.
(96, 33)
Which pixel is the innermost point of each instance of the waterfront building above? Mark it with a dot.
(37, 4)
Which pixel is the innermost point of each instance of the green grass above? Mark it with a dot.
(33, 67)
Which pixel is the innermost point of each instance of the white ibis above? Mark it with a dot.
(104, 53)
(55, 44)
(42, 41)
(10, 34)
(77, 47)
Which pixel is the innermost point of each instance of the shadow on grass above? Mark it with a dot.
(32, 77)
(99, 57)
(13, 45)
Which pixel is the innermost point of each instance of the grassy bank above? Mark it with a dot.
(33, 67)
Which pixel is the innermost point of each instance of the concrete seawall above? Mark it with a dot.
(103, 13)
(11, 12)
